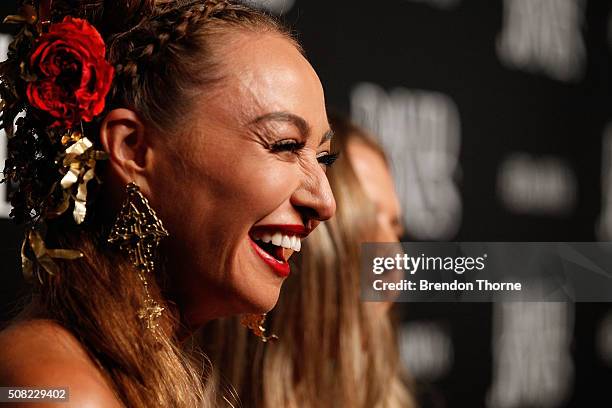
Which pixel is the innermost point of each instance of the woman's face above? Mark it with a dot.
(251, 169)
(377, 182)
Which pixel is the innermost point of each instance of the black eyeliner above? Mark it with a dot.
(328, 159)
(287, 146)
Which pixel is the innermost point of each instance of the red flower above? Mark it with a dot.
(73, 74)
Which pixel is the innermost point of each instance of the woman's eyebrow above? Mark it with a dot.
(297, 121)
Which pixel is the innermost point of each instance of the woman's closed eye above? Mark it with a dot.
(287, 145)
(327, 159)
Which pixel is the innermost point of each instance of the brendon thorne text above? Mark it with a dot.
(427, 286)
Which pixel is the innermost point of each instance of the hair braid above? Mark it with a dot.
(168, 26)
(141, 55)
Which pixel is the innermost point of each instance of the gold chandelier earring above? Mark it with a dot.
(138, 231)
(255, 323)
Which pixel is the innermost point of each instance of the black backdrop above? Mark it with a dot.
(548, 112)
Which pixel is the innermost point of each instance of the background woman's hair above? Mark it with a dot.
(333, 348)
(163, 52)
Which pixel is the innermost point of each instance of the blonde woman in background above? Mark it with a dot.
(333, 350)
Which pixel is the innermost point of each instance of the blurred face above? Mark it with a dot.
(247, 185)
(376, 180)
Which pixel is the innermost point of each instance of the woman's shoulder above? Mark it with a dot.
(42, 353)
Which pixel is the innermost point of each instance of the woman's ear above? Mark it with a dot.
(123, 137)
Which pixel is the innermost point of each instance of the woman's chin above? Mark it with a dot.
(259, 301)
(257, 291)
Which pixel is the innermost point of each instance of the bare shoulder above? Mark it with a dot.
(41, 353)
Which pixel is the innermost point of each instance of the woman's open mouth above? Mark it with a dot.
(275, 243)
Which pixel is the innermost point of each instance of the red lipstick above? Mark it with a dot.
(281, 268)
(273, 256)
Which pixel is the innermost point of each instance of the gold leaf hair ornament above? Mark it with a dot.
(79, 164)
(35, 255)
(27, 15)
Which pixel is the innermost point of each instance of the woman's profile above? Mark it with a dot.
(333, 349)
(166, 159)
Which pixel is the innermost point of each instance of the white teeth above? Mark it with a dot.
(296, 244)
(286, 243)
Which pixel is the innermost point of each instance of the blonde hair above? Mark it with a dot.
(333, 349)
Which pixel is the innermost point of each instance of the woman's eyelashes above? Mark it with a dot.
(287, 145)
(327, 159)
(295, 147)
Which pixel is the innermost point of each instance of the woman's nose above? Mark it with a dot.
(314, 197)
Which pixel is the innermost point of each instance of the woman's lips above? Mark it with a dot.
(276, 243)
(281, 268)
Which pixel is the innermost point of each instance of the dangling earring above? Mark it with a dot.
(255, 322)
(138, 232)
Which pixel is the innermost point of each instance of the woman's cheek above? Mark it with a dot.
(272, 186)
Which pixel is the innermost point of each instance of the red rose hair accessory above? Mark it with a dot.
(73, 76)
(55, 80)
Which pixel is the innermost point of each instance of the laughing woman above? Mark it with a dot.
(153, 143)
(333, 349)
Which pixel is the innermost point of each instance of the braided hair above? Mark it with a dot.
(167, 50)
